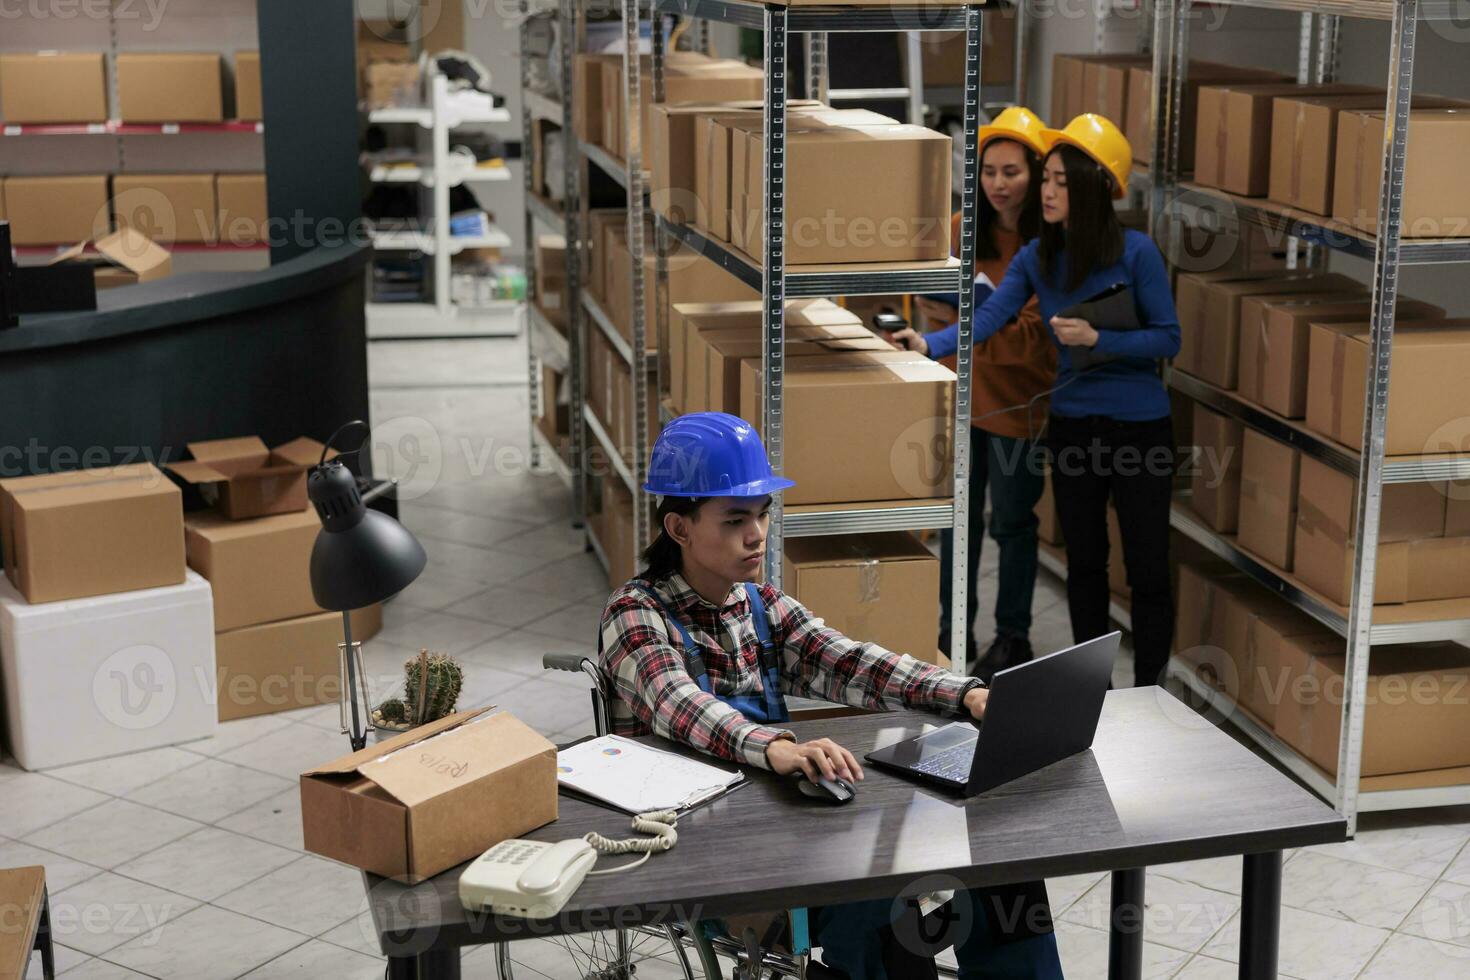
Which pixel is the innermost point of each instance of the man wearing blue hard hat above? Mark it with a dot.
(701, 654)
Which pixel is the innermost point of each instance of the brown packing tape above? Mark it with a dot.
(1314, 520)
(1296, 151)
(1221, 137)
(1339, 368)
(100, 481)
(1249, 488)
(868, 581)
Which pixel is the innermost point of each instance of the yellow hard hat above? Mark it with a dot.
(1100, 139)
(1016, 123)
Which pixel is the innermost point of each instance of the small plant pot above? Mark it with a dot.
(387, 729)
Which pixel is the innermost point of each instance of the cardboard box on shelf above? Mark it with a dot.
(1415, 717)
(1274, 336)
(258, 569)
(1215, 484)
(871, 194)
(551, 278)
(943, 52)
(1415, 561)
(555, 421)
(1138, 123)
(1268, 495)
(714, 375)
(390, 83)
(692, 278)
(91, 532)
(124, 258)
(902, 403)
(243, 208)
(1428, 401)
(169, 87)
(1436, 198)
(167, 207)
(53, 87)
(689, 79)
(59, 663)
(57, 210)
(876, 588)
(291, 663)
(1105, 87)
(247, 86)
(617, 530)
(1209, 314)
(418, 803)
(587, 94)
(600, 222)
(242, 478)
(1233, 127)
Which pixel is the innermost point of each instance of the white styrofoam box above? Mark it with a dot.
(107, 675)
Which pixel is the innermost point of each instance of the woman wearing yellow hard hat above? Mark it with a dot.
(1110, 435)
(1018, 365)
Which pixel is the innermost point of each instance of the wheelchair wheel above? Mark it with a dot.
(644, 953)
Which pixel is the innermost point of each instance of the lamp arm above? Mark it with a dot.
(341, 429)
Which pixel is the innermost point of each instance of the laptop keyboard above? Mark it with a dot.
(952, 764)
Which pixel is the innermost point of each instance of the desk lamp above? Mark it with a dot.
(361, 556)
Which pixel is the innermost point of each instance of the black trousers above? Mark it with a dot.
(1093, 460)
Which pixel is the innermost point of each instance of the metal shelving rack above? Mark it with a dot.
(1320, 31)
(777, 282)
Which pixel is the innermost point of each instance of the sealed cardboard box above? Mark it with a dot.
(1070, 93)
(551, 278)
(1274, 337)
(259, 569)
(243, 210)
(1105, 86)
(876, 588)
(91, 532)
(421, 802)
(599, 223)
(1268, 494)
(943, 52)
(167, 207)
(692, 277)
(1414, 560)
(902, 403)
(169, 87)
(1198, 621)
(715, 385)
(390, 83)
(617, 530)
(555, 420)
(689, 79)
(1304, 144)
(57, 210)
(1138, 122)
(53, 87)
(247, 86)
(292, 663)
(1215, 485)
(242, 478)
(1233, 136)
(1436, 197)
(587, 95)
(1209, 315)
(1427, 396)
(1265, 637)
(54, 657)
(1414, 720)
(871, 194)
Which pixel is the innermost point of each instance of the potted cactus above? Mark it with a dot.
(431, 685)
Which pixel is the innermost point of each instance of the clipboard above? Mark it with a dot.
(635, 778)
(1111, 309)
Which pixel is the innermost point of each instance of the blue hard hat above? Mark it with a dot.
(711, 454)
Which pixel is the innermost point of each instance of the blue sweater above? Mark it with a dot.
(1127, 388)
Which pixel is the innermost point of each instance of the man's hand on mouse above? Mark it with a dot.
(975, 700)
(817, 758)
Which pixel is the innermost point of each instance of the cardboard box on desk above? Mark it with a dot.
(419, 803)
(57, 210)
(53, 87)
(241, 478)
(1436, 197)
(1209, 315)
(124, 258)
(1215, 484)
(1274, 337)
(876, 588)
(169, 87)
(1268, 497)
(1415, 717)
(91, 532)
(258, 569)
(1138, 123)
(291, 663)
(1428, 401)
(901, 402)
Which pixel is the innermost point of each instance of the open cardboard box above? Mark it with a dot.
(242, 478)
(421, 802)
(123, 258)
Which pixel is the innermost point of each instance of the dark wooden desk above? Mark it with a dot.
(1160, 785)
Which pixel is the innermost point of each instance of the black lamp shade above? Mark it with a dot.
(361, 556)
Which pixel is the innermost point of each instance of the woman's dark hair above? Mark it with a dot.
(1092, 235)
(1029, 224)
(664, 556)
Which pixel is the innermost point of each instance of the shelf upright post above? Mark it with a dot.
(913, 68)
(632, 140)
(1170, 65)
(1306, 36)
(1375, 408)
(1329, 36)
(537, 397)
(818, 76)
(574, 176)
(959, 603)
(1019, 61)
(773, 278)
(439, 150)
(660, 246)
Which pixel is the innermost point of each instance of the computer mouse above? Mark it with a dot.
(834, 791)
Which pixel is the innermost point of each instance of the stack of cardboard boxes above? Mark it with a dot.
(51, 87)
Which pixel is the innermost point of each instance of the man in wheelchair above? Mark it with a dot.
(699, 653)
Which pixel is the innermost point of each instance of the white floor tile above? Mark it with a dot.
(233, 734)
(357, 933)
(1062, 893)
(207, 864)
(472, 529)
(103, 970)
(544, 705)
(1084, 953)
(1411, 958)
(310, 895)
(276, 820)
(32, 801)
(209, 790)
(122, 774)
(440, 632)
(550, 541)
(206, 944)
(289, 751)
(61, 872)
(67, 959)
(1443, 915)
(313, 960)
(1313, 947)
(1177, 914)
(1459, 869)
(1217, 874)
(521, 652)
(507, 607)
(112, 833)
(108, 910)
(434, 589)
(578, 622)
(1407, 841)
(1348, 890)
(576, 576)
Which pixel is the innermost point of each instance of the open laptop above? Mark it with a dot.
(1038, 713)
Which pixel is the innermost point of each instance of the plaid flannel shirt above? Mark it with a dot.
(643, 654)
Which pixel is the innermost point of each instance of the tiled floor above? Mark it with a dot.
(187, 862)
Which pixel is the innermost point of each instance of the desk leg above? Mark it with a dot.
(1260, 916)
(43, 940)
(1125, 926)
(439, 964)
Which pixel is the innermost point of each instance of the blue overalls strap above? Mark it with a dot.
(693, 662)
(770, 661)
